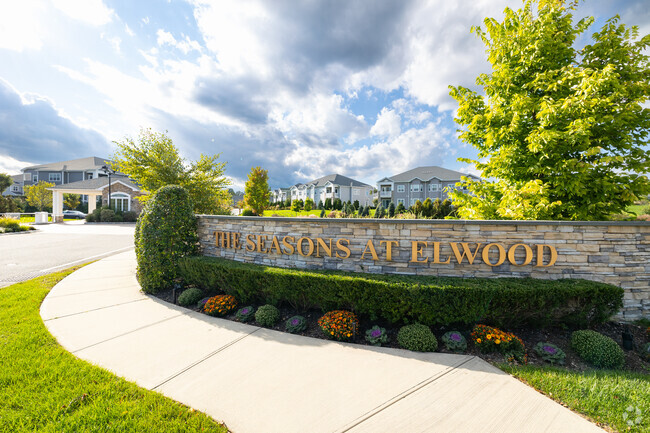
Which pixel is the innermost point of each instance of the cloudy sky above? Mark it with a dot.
(303, 89)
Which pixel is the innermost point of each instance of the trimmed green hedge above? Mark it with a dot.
(407, 299)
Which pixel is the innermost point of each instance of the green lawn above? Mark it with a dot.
(603, 396)
(302, 213)
(31, 219)
(290, 213)
(44, 388)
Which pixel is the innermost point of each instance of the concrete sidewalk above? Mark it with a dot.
(258, 380)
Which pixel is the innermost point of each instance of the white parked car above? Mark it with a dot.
(73, 214)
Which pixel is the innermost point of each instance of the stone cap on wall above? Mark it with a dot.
(433, 221)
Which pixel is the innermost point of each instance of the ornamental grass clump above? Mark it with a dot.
(550, 353)
(190, 297)
(597, 349)
(220, 305)
(295, 324)
(417, 337)
(267, 315)
(376, 336)
(245, 314)
(489, 340)
(454, 341)
(339, 324)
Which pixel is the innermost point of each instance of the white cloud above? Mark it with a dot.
(388, 123)
(11, 165)
(114, 42)
(371, 162)
(128, 30)
(20, 25)
(185, 45)
(93, 12)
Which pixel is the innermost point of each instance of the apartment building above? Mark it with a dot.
(418, 184)
(332, 186)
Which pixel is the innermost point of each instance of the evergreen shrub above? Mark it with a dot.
(502, 302)
(267, 315)
(417, 337)
(190, 297)
(597, 349)
(164, 233)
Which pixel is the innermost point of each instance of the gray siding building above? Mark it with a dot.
(418, 184)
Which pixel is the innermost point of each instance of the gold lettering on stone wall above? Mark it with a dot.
(463, 253)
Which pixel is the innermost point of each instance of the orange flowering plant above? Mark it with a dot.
(489, 339)
(220, 305)
(339, 324)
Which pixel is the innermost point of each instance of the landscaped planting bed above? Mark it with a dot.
(408, 299)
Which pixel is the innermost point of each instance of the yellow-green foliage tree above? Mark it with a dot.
(38, 195)
(71, 200)
(153, 161)
(257, 193)
(563, 131)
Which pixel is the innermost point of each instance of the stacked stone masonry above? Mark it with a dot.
(612, 252)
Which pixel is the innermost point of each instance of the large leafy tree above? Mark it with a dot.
(562, 130)
(5, 181)
(71, 200)
(256, 193)
(153, 161)
(39, 195)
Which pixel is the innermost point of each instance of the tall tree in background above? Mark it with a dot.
(72, 200)
(562, 130)
(38, 195)
(153, 162)
(5, 181)
(256, 193)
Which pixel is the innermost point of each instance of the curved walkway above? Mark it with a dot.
(258, 380)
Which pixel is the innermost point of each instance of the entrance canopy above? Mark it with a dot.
(91, 187)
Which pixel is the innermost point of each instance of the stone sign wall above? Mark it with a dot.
(611, 252)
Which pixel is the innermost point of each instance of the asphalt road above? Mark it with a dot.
(54, 247)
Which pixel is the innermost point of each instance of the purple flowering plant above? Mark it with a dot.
(295, 324)
(454, 341)
(376, 336)
(550, 353)
(245, 314)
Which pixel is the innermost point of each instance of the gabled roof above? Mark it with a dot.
(89, 163)
(97, 184)
(428, 173)
(337, 179)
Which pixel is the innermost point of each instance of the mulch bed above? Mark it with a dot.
(559, 336)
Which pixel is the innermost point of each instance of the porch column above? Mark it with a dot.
(57, 206)
(92, 203)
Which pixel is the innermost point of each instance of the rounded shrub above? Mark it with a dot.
(247, 212)
(267, 315)
(106, 215)
(190, 297)
(417, 337)
(597, 349)
(339, 324)
(165, 232)
(129, 216)
(220, 305)
(295, 324)
(245, 314)
(454, 341)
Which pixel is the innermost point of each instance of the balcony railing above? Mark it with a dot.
(385, 194)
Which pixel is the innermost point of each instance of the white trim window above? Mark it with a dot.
(413, 200)
(433, 187)
(416, 187)
(120, 202)
(15, 188)
(54, 177)
(400, 188)
(35, 178)
(400, 200)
